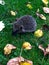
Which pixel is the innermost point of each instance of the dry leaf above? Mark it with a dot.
(46, 9)
(13, 13)
(45, 2)
(46, 51)
(38, 33)
(41, 47)
(29, 6)
(27, 45)
(19, 61)
(41, 16)
(8, 48)
(25, 63)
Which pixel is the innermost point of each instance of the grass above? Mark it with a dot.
(6, 37)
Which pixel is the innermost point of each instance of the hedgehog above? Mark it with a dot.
(24, 24)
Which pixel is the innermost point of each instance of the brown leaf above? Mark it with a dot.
(46, 9)
(41, 16)
(8, 48)
(41, 47)
(45, 50)
(17, 60)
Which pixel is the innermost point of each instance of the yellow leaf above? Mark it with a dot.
(38, 33)
(45, 2)
(13, 13)
(7, 51)
(29, 6)
(27, 45)
(8, 48)
(42, 17)
(25, 63)
(19, 61)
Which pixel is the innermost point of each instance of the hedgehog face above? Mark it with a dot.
(17, 29)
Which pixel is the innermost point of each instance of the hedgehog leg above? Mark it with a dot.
(14, 33)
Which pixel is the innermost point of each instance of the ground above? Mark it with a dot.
(6, 37)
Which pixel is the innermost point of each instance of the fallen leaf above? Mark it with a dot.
(45, 50)
(29, 6)
(27, 45)
(8, 48)
(46, 9)
(41, 47)
(38, 33)
(13, 13)
(45, 2)
(19, 61)
(41, 16)
(24, 63)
